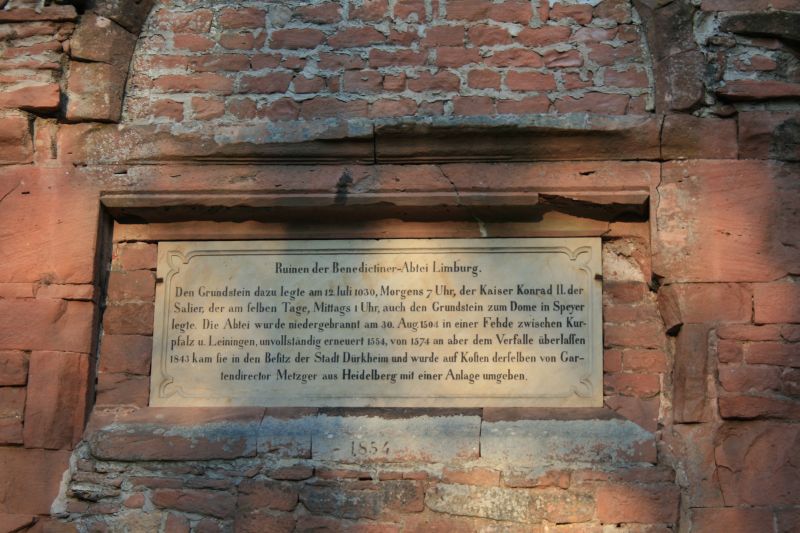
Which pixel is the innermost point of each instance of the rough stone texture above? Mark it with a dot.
(16, 144)
(46, 325)
(688, 137)
(638, 503)
(769, 135)
(98, 39)
(691, 374)
(188, 434)
(94, 92)
(554, 442)
(13, 368)
(129, 354)
(419, 439)
(726, 221)
(55, 414)
(30, 479)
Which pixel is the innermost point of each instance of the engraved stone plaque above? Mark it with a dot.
(415, 323)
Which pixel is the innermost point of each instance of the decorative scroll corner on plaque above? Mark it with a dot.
(168, 388)
(175, 259)
(582, 254)
(583, 389)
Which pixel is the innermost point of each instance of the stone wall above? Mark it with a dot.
(125, 123)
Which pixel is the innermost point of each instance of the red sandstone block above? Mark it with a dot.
(283, 109)
(776, 302)
(176, 523)
(749, 332)
(530, 81)
(750, 5)
(642, 411)
(760, 135)
(296, 38)
(552, 478)
(16, 144)
(242, 40)
(447, 56)
(483, 79)
(254, 495)
(12, 407)
(401, 107)
(772, 353)
(468, 9)
(139, 285)
(582, 14)
(608, 104)
(363, 81)
(444, 36)
(617, 10)
(44, 97)
(370, 10)
(625, 291)
(262, 61)
(473, 105)
(207, 108)
(442, 81)
(13, 368)
(197, 21)
(134, 256)
(383, 58)
(528, 105)
(211, 503)
(788, 520)
(714, 519)
(594, 35)
(629, 78)
(685, 136)
(394, 83)
(292, 473)
(749, 407)
(556, 59)
(167, 108)
(263, 521)
(749, 378)
(122, 389)
(704, 302)
(790, 382)
(511, 11)
(17, 522)
(129, 354)
(573, 80)
(634, 335)
(31, 479)
(486, 35)
(544, 36)
(639, 385)
(474, 476)
(612, 361)
(128, 319)
(46, 325)
(242, 18)
(303, 84)
(754, 90)
(207, 82)
(634, 503)
(690, 374)
(406, 9)
(275, 82)
(605, 54)
(514, 57)
(791, 332)
(56, 406)
(730, 351)
(356, 37)
(325, 13)
(192, 42)
(324, 107)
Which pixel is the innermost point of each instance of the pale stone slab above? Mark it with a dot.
(564, 442)
(396, 322)
(378, 440)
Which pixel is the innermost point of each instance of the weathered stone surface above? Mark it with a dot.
(122, 389)
(693, 446)
(484, 502)
(167, 434)
(16, 143)
(12, 406)
(713, 519)
(128, 354)
(56, 412)
(355, 499)
(755, 90)
(769, 135)
(130, 14)
(780, 24)
(758, 463)
(129, 319)
(101, 40)
(38, 98)
(726, 221)
(419, 439)
(682, 303)
(55, 325)
(638, 503)
(286, 437)
(776, 302)
(134, 256)
(13, 367)
(94, 92)
(49, 209)
(555, 442)
(139, 285)
(255, 495)
(679, 80)
(30, 479)
(690, 402)
(689, 137)
(15, 522)
(213, 503)
(751, 406)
